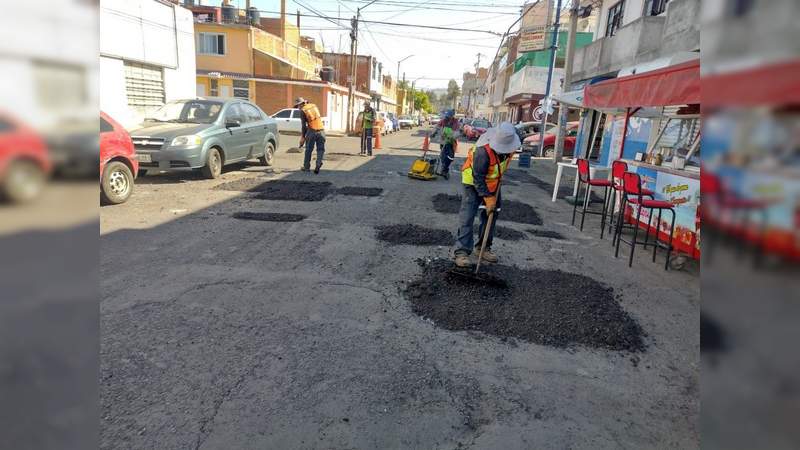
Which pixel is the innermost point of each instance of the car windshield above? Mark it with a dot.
(481, 124)
(188, 111)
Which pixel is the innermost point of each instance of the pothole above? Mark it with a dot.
(508, 234)
(512, 210)
(250, 184)
(360, 191)
(268, 216)
(546, 307)
(409, 234)
(546, 234)
(302, 191)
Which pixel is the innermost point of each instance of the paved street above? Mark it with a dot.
(221, 333)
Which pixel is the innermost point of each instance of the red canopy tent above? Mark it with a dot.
(773, 84)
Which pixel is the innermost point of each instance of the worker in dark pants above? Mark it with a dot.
(447, 127)
(480, 176)
(367, 120)
(312, 133)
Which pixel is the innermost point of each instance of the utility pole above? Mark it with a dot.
(352, 84)
(563, 109)
(553, 48)
(475, 82)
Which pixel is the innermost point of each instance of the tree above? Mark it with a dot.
(422, 102)
(432, 97)
(453, 92)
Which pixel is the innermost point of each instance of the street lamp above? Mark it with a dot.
(398, 66)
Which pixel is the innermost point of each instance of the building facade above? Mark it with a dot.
(147, 57)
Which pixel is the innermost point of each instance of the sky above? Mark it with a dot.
(438, 55)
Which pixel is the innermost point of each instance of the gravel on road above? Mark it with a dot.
(409, 234)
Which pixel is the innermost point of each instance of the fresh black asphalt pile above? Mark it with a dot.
(360, 191)
(268, 216)
(546, 234)
(512, 211)
(251, 184)
(508, 234)
(409, 234)
(303, 191)
(546, 307)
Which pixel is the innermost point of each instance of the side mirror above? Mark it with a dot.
(233, 123)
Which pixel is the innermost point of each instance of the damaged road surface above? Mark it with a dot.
(545, 307)
(409, 234)
(510, 210)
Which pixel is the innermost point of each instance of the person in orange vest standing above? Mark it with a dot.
(480, 177)
(312, 133)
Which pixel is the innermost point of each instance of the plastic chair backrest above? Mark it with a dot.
(618, 168)
(632, 183)
(583, 169)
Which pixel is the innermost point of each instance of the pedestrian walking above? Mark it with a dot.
(312, 133)
(367, 120)
(486, 163)
(447, 127)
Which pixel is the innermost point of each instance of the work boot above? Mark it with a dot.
(488, 256)
(462, 260)
(316, 169)
(304, 169)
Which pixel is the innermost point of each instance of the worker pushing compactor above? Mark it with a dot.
(480, 176)
(448, 128)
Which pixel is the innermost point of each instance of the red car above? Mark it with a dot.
(532, 141)
(24, 161)
(118, 164)
(476, 128)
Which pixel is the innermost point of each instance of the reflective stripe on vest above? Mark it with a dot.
(313, 118)
(496, 169)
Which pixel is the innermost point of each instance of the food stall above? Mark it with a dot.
(657, 132)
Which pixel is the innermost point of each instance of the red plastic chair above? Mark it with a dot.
(633, 193)
(584, 178)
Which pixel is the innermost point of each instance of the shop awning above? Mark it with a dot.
(775, 84)
(571, 98)
(674, 85)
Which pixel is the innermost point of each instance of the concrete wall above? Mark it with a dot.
(238, 49)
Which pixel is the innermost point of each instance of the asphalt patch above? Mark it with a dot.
(302, 191)
(360, 191)
(546, 234)
(713, 338)
(268, 217)
(547, 307)
(409, 234)
(512, 210)
(508, 234)
(252, 184)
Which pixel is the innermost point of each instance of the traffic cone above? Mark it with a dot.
(426, 144)
(377, 139)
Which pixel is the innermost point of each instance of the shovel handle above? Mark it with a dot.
(483, 241)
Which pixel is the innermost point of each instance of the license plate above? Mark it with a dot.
(144, 158)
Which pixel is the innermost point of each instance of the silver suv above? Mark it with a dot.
(205, 134)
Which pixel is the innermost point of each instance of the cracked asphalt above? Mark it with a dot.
(218, 333)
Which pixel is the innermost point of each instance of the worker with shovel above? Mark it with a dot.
(312, 133)
(480, 176)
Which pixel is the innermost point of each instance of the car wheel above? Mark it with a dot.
(269, 155)
(549, 151)
(213, 167)
(23, 181)
(117, 184)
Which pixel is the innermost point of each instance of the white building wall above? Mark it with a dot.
(149, 32)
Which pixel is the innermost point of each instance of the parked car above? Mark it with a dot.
(24, 161)
(531, 143)
(476, 128)
(526, 129)
(288, 120)
(434, 119)
(405, 122)
(464, 123)
(118, 164)
(388, 125)
(206, 134)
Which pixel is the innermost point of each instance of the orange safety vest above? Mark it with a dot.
(496, 169)
(312, 116)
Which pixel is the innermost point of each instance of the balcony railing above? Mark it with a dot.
(274, 46)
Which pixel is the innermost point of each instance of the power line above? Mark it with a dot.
(411, 3)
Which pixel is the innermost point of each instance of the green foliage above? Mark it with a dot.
(422, 102)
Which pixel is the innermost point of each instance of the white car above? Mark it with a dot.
(406, 122)
(388, 126)
(288, 120)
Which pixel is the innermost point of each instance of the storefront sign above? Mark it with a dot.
(532, 41)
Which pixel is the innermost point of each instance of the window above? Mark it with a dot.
(59, 87)
(654, 7)
(614, 19)
(296, 113)
(213, 90)
(251, 112)
(241, 89)
(234, 112)
(6, 126)
(283, 114)
(211, 44)
(144, 86)
(105, 127)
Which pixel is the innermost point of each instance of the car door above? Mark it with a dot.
(237, 139)
(284, 120)
(296, 123)
(256, 129)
